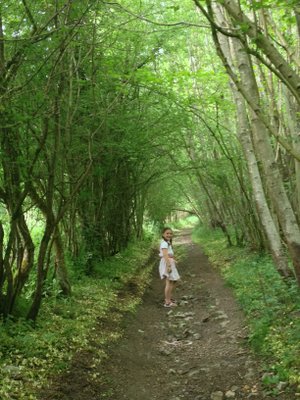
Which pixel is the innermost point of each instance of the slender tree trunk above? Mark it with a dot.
(2, 54)
(271, 232)
(2, 276)
(27, 258)
(293, 126)
(8, 261)
(60, 266)
(297, 15)
(41, 271)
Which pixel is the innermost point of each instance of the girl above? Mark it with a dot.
(167, 266)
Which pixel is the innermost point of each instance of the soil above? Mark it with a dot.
(195, 351)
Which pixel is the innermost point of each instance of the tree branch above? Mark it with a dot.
(180, 23)
(2, 55)
(30, 16)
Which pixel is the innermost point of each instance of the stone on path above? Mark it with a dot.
(230, 394)
(217, 395)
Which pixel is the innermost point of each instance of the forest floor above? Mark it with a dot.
(195, 351)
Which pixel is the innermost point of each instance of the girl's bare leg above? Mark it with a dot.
(172, 287)
(168, 291)
(173, 283)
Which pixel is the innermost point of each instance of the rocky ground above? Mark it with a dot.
(195, 351)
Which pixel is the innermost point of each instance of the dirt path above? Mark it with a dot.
(196, 351)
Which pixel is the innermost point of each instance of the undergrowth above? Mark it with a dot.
(272, 307)
(29, 354)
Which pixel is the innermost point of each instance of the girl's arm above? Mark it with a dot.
(167, 259)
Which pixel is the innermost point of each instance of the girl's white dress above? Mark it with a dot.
(173, 275)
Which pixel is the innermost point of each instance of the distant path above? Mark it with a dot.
(196, 351)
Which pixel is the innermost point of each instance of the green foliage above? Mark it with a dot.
(124, 264)
(272, 306)
(258, 4)
(187, 222)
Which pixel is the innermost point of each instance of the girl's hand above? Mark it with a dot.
(169, 268)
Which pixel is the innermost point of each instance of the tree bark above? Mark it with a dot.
(41, 271)
(270, 229)
(60, 265)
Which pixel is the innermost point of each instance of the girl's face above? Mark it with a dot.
(168, 234)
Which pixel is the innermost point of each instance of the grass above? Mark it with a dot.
(271, 306)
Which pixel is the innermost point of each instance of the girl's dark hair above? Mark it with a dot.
(166, 228)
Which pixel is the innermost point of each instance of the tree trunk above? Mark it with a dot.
(60, 266)
(293, 126)
(41, 271)
(27, 258)
(271, 232)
